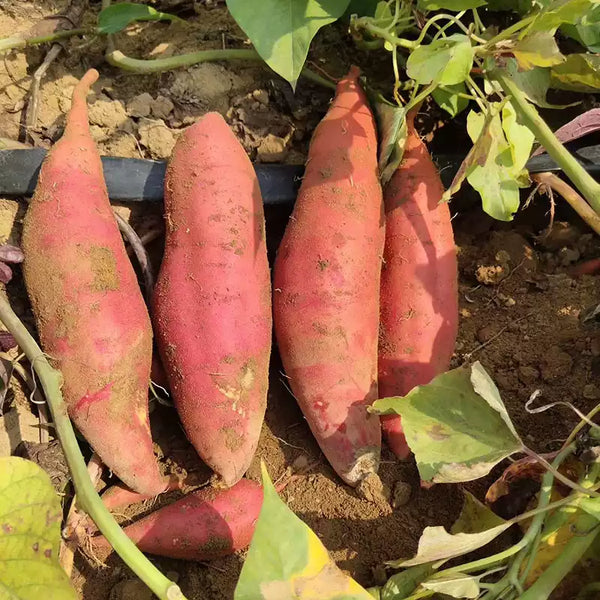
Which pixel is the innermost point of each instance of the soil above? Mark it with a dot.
(529, 323)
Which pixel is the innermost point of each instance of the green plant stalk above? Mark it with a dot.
(560, 517)
(158, 65)
(88, 499)
(536, 523)
(379, 32)
(13, 43)
(568, 558)
(589, 188)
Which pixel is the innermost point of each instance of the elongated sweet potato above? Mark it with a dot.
(326, 281)
(419, 298)
(89, 310)
(212, 304)
(203, 525)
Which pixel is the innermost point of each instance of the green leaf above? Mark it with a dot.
(558, 12)
(282, 30)
(402, 584)
(457, 425)
(116, 17)
(477, 155)
(30, 518)
(456, 585)
(293, 563)
(496, 180)
(446, 60)
(449, 100)
(519, 137)
(362, 8)
(453, 5)
(586, 30)
(580, 73)
(475, 517)
(537, 50)
(437, 544)
(391, 123)
(591, 506)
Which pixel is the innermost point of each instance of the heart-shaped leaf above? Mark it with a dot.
(293, 563)
(446, 60)
(116, 17)
(456, 425)
(281, 30)
(30, 517)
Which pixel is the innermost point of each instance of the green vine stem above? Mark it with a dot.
(88, 499)
(158, 65)
(536, 524)
(16, 42)
(566, 560)
(585, 183)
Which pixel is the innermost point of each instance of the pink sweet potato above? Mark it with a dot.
(203, 525)
(326, 282)
(419, 298)
(89, 310)
(212, 303)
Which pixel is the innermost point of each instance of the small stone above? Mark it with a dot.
(556, 364)
(272, 149)
(107, 113)
(485, 334)
(156, 137)
(379, 575)
(301, 462)
(140, 105)
(561, 234)
(173, 576)
(401, 494)
(568, 256)
(491, 275)
(131, 589)
(507, 301)
(162, 107)
(591, 392)
(262, 96)
(371, 489)
(503, 257)
(528, 375)
(98, 133)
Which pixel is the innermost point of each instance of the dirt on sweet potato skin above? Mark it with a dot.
(523, 322)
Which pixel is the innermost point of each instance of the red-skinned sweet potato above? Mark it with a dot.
(419, 298)
(326, 282)
(89, 310)
(212, 303)
(203, 525)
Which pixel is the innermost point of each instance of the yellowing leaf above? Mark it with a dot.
(457, 432)
(437, 544)
(287, 561)
(558, 531)
(475, 517)
(30, 517)
(456, 585)
(580, 73)
(537, 50)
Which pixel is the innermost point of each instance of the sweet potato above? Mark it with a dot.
(89, 310)
(203, 525)
(326, 282)
(419, 298)
(212, 303)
